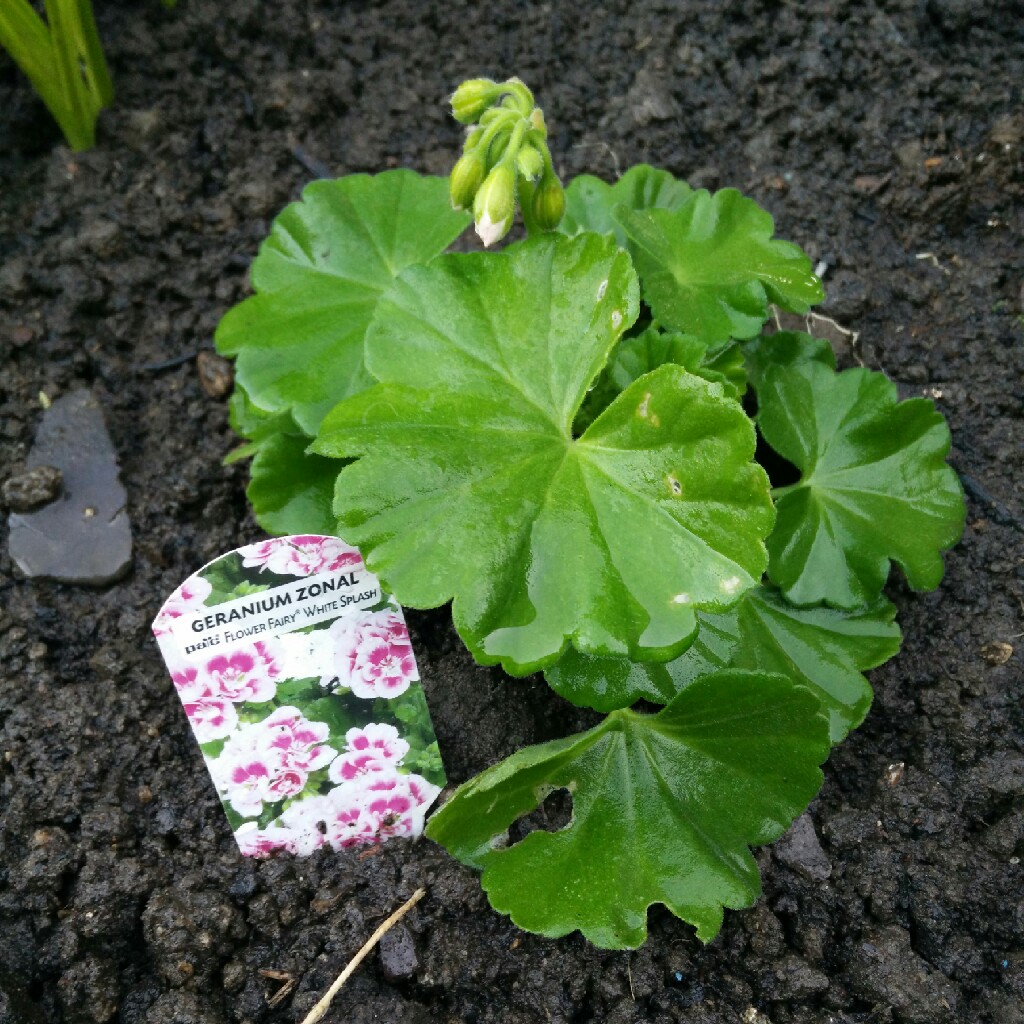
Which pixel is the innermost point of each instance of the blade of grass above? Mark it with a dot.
(63, 59)
(81, 107)
(24, 35)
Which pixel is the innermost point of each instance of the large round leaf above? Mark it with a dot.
(470, 485)
(711, 267)
(298, 342)
(875, 485)
(589, 201)
(664, 809)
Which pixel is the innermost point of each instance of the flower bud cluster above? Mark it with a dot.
(505, 158)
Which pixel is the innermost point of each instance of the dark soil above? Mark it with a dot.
(886, 138)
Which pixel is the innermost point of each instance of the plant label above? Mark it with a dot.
(298, 677)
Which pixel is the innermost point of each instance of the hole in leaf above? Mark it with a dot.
(781, 472)
(552, 815)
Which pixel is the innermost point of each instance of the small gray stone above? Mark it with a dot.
(650, 98)
(800, 850)
(796, 979)
(26, 491)
(85, 537)
(885, 970)
(398, 958)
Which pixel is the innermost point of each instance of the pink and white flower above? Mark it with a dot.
(256, 842)
(211, 715)
(305, 818)
(375, 748)
(210, 688)
(376, 807)
(186, 600)
(302, 555)
(244, 773)
(374, 653)
(269, 761)
(364, 811)
(300, 743)
(247, 674)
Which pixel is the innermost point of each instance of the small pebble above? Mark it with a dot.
(32, 488)
(398, 958)
(215, 374)
(997, 652)
(800, 850)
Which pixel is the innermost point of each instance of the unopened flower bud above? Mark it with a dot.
(472, 98)
(530, 162)
(467, 176)
(548, 202)
(495, 204)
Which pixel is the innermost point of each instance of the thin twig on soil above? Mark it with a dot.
(315, 167)
(167, 364)
(287, 984)
(324, 1004)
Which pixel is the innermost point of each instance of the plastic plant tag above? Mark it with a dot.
(298, 677)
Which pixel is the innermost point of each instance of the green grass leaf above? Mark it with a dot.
(589, 201)
(665, 808)
(875, 485)
(470, 486)
(711, 267)
(298, 342)
(824, 649)
(63, 59)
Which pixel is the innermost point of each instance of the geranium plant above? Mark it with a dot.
(559, 438)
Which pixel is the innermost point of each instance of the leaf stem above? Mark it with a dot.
(780, 492)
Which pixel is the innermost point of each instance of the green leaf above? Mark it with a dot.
(470, 485)
(299, 692)
(664, 809)
(824, 649)
(635, 356)
(609, 683)
(784, 348)
(875, 485)
(711, 267)
(250, 421)
(331, 711)
(298, 342)
(292, 491)
(589, 201)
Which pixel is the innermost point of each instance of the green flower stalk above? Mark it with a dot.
(505, 158)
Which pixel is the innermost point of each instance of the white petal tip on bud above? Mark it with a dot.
(490, 232)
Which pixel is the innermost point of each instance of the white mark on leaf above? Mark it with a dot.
(616, 319)
(731, 585)
(601, 289)
(681, 599)
(675, 486)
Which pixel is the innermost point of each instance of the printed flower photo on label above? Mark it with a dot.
(314, 734)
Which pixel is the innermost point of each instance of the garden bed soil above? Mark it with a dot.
(885, 139)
